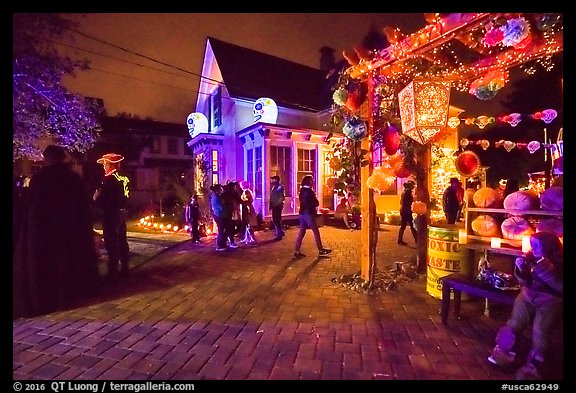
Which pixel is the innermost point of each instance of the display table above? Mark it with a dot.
(458, 283)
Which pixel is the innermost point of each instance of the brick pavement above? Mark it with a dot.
(254, 313)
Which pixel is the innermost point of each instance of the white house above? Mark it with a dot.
(258, 116)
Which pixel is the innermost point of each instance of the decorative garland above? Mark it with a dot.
(532, 146)
(513, 119)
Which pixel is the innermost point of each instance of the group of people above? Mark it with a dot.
(232, 207)
(55, 258)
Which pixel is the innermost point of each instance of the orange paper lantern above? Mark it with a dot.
(467, 163)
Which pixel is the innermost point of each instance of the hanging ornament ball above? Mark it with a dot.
(402, 172)
(391, 141)
(467, 163)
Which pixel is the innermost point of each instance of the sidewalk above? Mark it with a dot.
(255, 313)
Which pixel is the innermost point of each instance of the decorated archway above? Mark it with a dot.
(406, 87)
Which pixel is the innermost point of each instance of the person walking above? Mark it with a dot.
(192, 217)
(55, 262)
(539, 305)
(450, 201)
(277, 198)
(112, 199)
(406, 213)
(307, 214)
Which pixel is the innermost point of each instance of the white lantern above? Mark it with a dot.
(424, 108)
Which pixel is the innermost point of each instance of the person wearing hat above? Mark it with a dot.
(277, 205)
(406, 212)
(112, 199)
(451, 201)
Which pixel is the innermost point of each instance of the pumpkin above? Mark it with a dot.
(552, 199)
(554, 225)
(485, 225)
(522, 200)
(515, 227)
(487, 197)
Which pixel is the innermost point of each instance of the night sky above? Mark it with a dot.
(131, 83)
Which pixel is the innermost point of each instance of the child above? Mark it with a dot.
(539, 303)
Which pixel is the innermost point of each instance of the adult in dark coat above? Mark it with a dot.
(56, 261)
(451, 201)
(406, 218)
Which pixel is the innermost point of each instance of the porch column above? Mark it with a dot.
(367, 204)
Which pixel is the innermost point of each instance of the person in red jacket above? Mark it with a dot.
(539, 304)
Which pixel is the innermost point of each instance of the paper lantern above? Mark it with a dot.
(419, 207)
(391, 140)
(467, 163)
(197, 124)
(265, 110)
(396, 161)
(381, 179)
(424, 108)
(402, 172)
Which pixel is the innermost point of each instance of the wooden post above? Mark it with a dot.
(423, 195)
(368, 207)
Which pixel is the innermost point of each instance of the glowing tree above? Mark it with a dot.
(42, 108)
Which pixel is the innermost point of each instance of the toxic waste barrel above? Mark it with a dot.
(445, 256)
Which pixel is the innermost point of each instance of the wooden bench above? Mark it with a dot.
(458, 283)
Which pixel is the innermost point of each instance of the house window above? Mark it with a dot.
(258, 173)
(250, 166)
(378, 157)
(215, 172)
(327, 191)
(307, 165)
(200, 173)
(281, 164)
(172, 146)
(156, 145)
(216, 108)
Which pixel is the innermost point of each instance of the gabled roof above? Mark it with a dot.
(143, 126)
(251, 74)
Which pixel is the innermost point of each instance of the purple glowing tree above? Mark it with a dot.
(42, 107)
